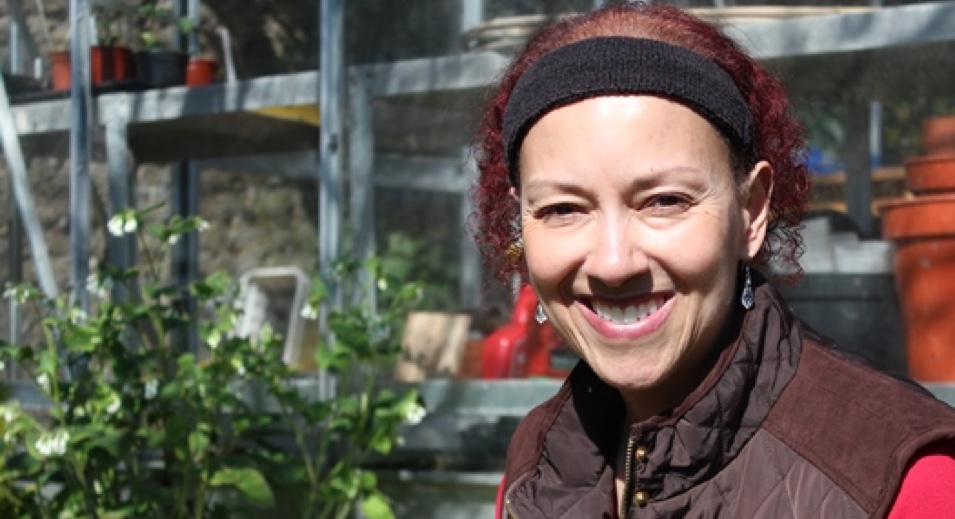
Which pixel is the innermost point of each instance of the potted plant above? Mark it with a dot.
(156, 64)
(135, 427)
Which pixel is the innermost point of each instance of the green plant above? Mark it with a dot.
(135, 427)
(107, 27)
(416, 258)
(153, 19)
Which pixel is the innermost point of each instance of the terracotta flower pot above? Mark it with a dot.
(201, 71)
(938, 135)
(931, 174)
(123, 67)
(923, 229)
(60, 69)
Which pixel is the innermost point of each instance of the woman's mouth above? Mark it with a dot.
(619, 320)
(627, 314)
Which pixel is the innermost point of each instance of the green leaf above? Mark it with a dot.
(376, 507)
(247, 481)
(382, 442)
(198, 443)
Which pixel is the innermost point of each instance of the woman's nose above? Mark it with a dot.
(615, 255)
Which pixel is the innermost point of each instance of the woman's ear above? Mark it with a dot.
(756, 196)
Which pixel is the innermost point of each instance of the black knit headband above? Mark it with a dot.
(622, 65)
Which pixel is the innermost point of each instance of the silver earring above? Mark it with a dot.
(539, 315)
(748, 298)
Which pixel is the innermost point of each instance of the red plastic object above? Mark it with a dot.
(522, 347)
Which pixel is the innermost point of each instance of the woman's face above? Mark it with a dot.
(634, 226)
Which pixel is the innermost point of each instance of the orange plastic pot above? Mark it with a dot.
(938, 135)
(201, 71)
(923, 230)
(60, 70)
(931, 174)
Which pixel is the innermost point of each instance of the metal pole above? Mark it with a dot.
(858, 161)
(472, 13)
(10, 140)
(330, 135)
(471, 274)
(331, 64)
(875, 134)
(184, 193)
(361, 181)
(80, 188)
(184, 188)
(27, 45)
(15, 248)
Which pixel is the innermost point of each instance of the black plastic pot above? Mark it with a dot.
(161, 68)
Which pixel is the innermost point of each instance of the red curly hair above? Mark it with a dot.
(780, 138)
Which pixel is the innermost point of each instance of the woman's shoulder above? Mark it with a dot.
(860, 426)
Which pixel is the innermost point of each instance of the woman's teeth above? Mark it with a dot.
(627, 314)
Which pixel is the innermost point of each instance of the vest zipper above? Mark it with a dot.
(627, 482)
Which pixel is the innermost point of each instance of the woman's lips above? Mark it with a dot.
(627, 321)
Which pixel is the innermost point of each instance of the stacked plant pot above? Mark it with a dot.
(108, 64)
(922, 227)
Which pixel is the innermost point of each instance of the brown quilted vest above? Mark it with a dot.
(785, 426)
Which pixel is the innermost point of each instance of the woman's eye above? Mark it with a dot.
(668, 201)
(556, 210)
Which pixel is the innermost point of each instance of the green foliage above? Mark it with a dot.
(411, 258)
(135, 427)
(153, 19)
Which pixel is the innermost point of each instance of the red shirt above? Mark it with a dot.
(928, 489)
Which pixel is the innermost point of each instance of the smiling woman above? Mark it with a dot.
(650, 171)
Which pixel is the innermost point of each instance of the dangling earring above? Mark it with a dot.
(748, 298)
(539, 314)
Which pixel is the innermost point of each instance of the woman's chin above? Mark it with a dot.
(628, 377)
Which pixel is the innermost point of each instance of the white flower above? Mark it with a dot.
(172, 239)
(76, 315)
(214, 339)
(203, 225)
(151, 389)
(19, 294)
(309, 312)
(114, 404)
(116, 224)
(100, 287)
(123, 222)
(44, 380)
(130, 225)
(9, 412)
(52, 444)
(414, 413)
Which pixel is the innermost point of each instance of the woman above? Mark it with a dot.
(645, 171)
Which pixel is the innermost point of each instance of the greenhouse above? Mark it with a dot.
(239, 258)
